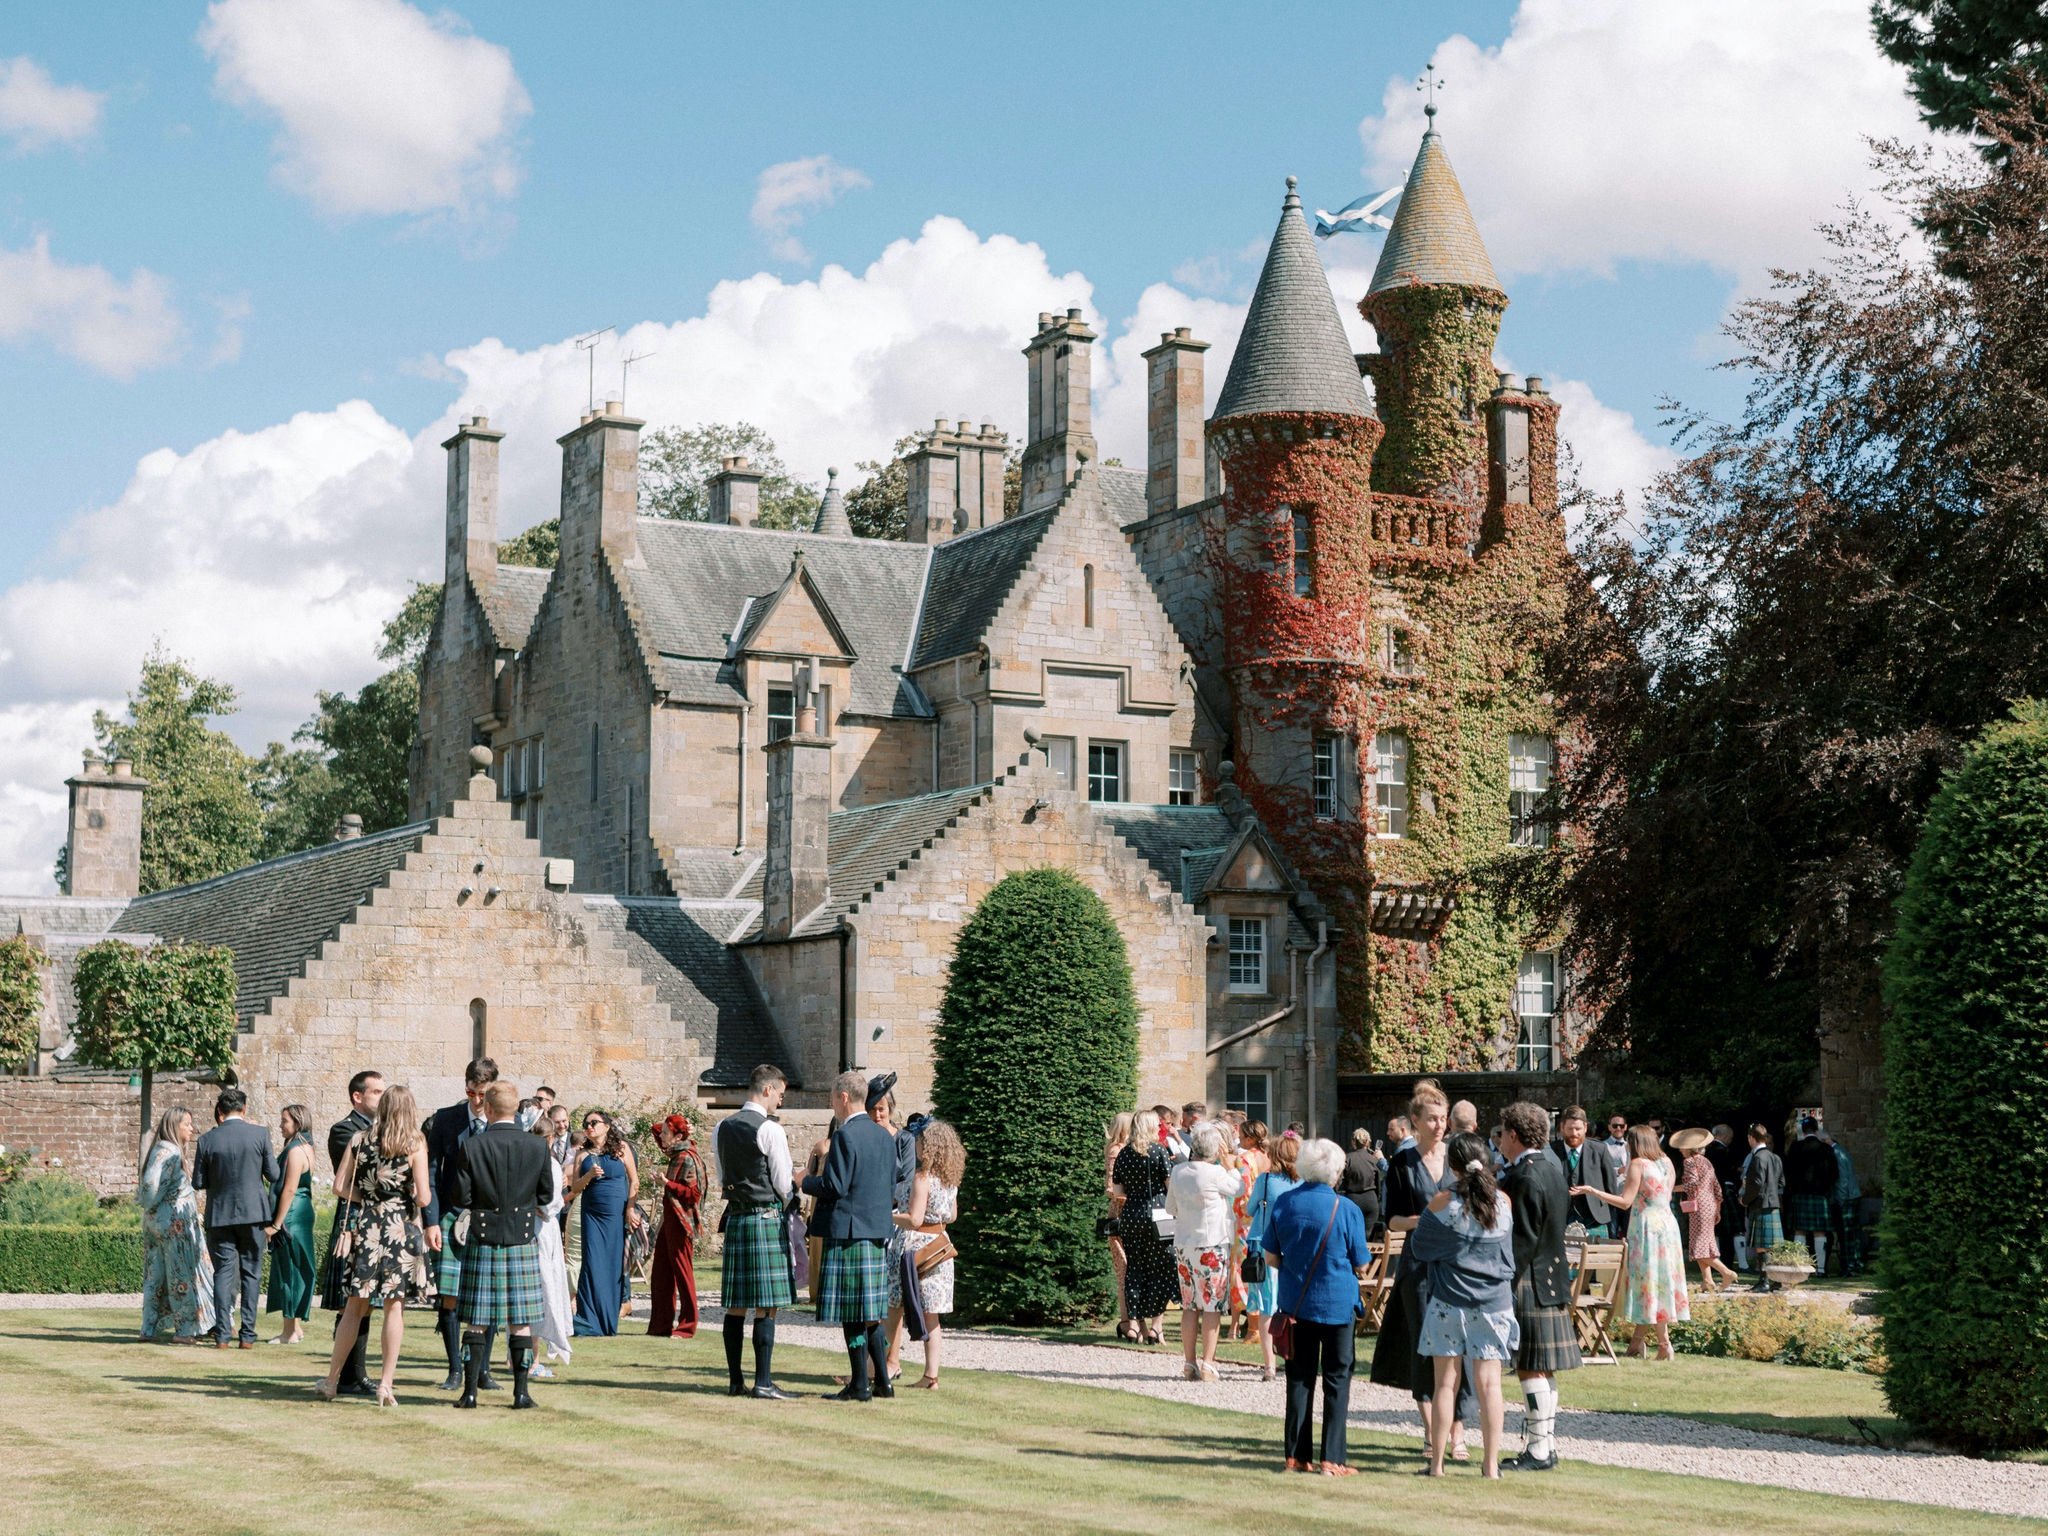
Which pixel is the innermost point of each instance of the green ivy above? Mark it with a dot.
(21, 997)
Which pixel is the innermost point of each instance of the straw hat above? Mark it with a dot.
(1691, 1139)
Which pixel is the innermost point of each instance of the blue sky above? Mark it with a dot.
(255, 257)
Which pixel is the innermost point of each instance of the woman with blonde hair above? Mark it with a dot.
(1115, 1137)
(177, 1280)
(1653, 1279)
(934, 1202)
(1139, 1177)
(385, 1257)
(1262, 1299)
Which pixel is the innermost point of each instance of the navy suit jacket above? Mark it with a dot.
(235, 1166)
(860, 1181)
(446, 1130)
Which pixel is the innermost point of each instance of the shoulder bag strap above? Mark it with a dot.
(1316, 1258)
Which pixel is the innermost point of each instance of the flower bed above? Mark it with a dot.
(1785, 1332)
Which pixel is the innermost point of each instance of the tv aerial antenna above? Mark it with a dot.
(626, 372)
(588, 344)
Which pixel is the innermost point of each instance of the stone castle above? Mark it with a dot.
(706, 793)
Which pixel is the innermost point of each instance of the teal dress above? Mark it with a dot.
(291, 1255)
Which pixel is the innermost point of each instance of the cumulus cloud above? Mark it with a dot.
(40, 747)
(113, 327)
(1602, 131)
(1612, 455)
(36, 112)
(786, 194)
(381, 109)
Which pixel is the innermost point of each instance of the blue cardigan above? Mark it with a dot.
(1330, 1294)
(1469, 1265)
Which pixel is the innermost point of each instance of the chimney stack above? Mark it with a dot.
(472, 552)
(934, 475)
(1507, 441)
(1176, 446)
(601, 487)
(103, 855)
(1062, 431)
(794, 873)
(735, 492)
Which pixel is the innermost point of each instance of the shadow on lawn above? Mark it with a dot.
(1243, 1453)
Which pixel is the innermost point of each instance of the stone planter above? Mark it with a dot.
(1788, 1275)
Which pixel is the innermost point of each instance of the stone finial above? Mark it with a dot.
(1229, 798)
(349, 828)
(480, 761)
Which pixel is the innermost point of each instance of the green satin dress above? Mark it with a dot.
(291, 1255)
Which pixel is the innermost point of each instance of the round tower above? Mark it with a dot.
(1436, 306)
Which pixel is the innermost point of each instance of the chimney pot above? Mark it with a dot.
(124, 768)
(615, 407)
(1044, 319)
(479, 421)
(349, 828)
(1074, 312)
(90, 767)
(1535, 383)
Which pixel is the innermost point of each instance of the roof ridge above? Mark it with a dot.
(303, 855)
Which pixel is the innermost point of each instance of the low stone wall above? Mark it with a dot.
(91, 1126)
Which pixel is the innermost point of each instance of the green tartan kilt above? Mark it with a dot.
(1810, 1213)
(856, 1285)
(756, 1270)
(1765, 1229)
(501, 1286)
(448, 1271)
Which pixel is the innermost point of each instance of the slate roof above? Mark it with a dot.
(1433, 239)
(512, 602)
(1123, 494)
(694, 577)
(1292, 354)
(274, 915)
(970, 577)
(831, 519)
(1183, 843)
(680, 948)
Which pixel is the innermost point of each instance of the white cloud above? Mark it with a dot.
(35, 111)
(786, 194)
(41, 746)
(381, 108)
(1602, 131)
(86, 312)
(1613, 455)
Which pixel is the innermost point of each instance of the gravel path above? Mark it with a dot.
(1652, 1442)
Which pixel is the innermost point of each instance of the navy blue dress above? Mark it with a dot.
(601, 1289)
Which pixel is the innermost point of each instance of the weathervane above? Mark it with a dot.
(1428, 81)
(589, 344)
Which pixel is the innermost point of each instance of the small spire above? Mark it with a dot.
(1434, 239)
(831, 518)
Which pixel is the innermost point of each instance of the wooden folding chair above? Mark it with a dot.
(1594, 1290)
(1378, 1285)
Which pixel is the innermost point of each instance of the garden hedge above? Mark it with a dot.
(70, 1260)
(1966, 1072)
(1037, 1048)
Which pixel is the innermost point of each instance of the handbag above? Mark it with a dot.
(1252, 1267)
(1281, 1329)
(934, 1253)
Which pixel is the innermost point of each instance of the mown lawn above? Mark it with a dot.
(105, 1434)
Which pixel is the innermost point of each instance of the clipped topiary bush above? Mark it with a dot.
(70, 1261)
(57, 1199)
(155, 1010)
(1037, 1047)
(1966, 1074)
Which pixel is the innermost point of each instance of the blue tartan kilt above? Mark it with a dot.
(856, 1288)
(448, 1271)
(1765, 1229)
(756, 1271)
(1810, 1213)
(501, 1286)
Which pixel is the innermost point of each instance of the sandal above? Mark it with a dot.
(1127, 1331)
(1152, 1338)
(1338, 1469)
(929, 1383)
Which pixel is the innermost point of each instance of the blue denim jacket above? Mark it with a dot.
(1330, 1294)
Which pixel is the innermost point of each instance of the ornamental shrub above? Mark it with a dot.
(1776, 1329)
(57, 1199)
(1037, 1048)
(72, 1261)
(155, 1010)
(1966, 1070)
(21, 998)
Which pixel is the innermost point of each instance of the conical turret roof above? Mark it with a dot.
(1433, 239)
(832, 510)
(1293, 354)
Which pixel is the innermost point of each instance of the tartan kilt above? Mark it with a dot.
(501, 1286)
(756, 1269)
(1765, 1229)
(1810, 1213)
(448, 1268)
(1549, 1343)
(856, 1288)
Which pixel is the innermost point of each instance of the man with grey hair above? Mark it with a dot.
(1464, 1118)
(860, 1179)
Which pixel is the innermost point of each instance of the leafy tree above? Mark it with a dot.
(406, 633)
(1781, 653)
(677, 463)
(879, 507)
(1966, 1045)
(199, 814)
(21, 998)
(356, 764)
(1039, 1028)
(164, 1009)
(540, 545)
(1958, 53)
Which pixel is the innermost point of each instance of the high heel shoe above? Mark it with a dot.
(386, 1398)
(929, 1383)
(327, 1390)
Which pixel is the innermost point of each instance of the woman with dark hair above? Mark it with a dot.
(672, 1290)
(603, 1188)
(290, 1233)
(1466, 1237)
(1653, 1283)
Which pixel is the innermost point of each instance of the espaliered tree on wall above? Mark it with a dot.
(163, 1009)
(1037, 1048)
(1966, 1044)
(21, 998)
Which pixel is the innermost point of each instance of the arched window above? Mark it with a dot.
(1088, 596)
(479, 1028)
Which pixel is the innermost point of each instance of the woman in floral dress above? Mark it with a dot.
(177, 1280)
(1699, 1192)
(387, 1263)
(934, 1202)
(1653, 1279)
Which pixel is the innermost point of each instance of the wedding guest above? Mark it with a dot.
(1400, 1136)
(562, 1148)
(1699, 1188)
(1848, 1207)
(1115, 1137)
(603, 1187)
(1763, 1188)
(1362, 1178)
(817, 1211)
(554, 1329)
(237, 1169)
(1198, 1198)
(1140, 1175)
(1653, 1282)
(177, 1284)
(1263, 1299)
(672, 1298)
(1582, 1166)
(1464, 1118)
(290, 1233)
(1466, 1237)
(1316, 1246)
(365, 1089)
(502, 1180)
(860, 1175)
(754, 1176)
(1726, 1159)
(1540, 1203)
(386, 1252)
(934, 1203)
(1252, 1158)
(1810, 1176)
(445, 1131)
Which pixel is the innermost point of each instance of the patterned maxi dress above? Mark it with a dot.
(388, 1259)
(1653, 1284)
(177, 1280)
(1703, 1188)
(1150, 1279)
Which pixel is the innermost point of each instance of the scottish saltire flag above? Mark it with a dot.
(1357, 213)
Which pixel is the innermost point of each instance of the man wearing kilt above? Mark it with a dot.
(446, 1131)
(1541, 1203)
(860, 1177)
(754, 1172)
(1810, 1174)
(502, 1183)
(364, 1090)
(1763, 1190)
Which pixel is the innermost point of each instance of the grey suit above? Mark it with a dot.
(239, 1172)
